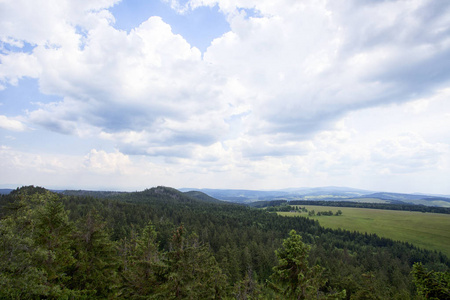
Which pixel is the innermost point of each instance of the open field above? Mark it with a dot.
(425, 230)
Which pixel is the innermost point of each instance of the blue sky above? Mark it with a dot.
(198, 27)
(126, 95)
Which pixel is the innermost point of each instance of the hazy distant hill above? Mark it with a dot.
(192, 195)
(244, 196)
(202, 196)
(397, 196)
(419, 199)
(95, 194)
(330, 193)
(5, 191)
(239, 196)
(325, 193)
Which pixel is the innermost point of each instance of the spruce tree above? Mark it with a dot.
(294, 278)
(35, 254)
(95, 272)
(142, 268)
(193, 272)
(431, 284)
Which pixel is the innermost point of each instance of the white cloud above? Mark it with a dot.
(149, 81)
(47, 23)
(304, 66)
(98, 168)
(11, 124)
(298, 90)
(14, 66)
(28, 166)
(291, 68)
(106, 163)
(408, 153)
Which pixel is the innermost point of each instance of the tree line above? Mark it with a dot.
(386, 206)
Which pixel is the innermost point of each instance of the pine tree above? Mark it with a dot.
(431, 284)
(143, 268)
(20, 277)
(52, 232)
(247, 288)
(293, 278)
(193, 272)
(35, 253)
(95, 272)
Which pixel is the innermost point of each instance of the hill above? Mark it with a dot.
(325, 194)
(202, 197)
(331, 193)
(5, 191)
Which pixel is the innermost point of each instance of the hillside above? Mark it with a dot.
(202, 197)
(293, 194)
(325, 194)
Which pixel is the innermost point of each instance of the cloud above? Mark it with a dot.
(56, 170)
(106, 163)
(46, 23)
(15, 66)
(148, 81)
(305, 67)
(29, 166)
(284, 74)
(11, 124)
(407, 153)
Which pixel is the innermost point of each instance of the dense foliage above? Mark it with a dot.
(163, 244)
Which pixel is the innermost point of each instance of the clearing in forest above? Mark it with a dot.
(425, 230)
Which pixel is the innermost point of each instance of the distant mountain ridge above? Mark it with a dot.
(160, 190)
(5, 191)
(325, 193)
(330, 193)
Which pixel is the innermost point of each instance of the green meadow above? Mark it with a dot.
(425, 230)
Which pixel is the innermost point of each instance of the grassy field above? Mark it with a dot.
(425, 230)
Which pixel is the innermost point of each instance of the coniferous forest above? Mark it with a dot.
(164, 244)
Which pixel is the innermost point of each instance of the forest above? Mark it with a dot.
(164, 244)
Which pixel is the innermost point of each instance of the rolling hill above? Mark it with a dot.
(325, 194)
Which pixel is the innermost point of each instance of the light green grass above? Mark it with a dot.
(425, 230)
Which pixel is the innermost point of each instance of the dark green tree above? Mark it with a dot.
(192, 270)
(20, 276)
(431, 284)
(368, 290)
(35, 254)
(143, 268)
(95, 272)
(247, 288)
(53, 234)
(294, 278)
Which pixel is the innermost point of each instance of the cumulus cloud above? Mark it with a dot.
(148, 81)
(97, 167)
(48, 23)
(15, 162)
(304, 66)
(277, 92)
(407, 153)
(11, 124)
(106, 163)
(14, 66)
(294, 68)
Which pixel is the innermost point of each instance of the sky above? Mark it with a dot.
(235, 94)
